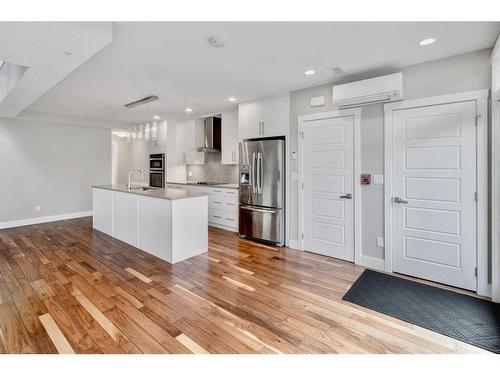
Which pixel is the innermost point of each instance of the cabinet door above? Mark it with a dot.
(103, 210)
(155, 227)
(125, 217)
(275, 116)
(230, 138)
(189, 136)
(249, 120)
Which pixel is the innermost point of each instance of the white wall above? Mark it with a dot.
(176, 169)
(465, 72)
(139, 158)
(123, 159)
(135, 154)
(50, 165)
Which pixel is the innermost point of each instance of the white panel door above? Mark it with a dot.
(328, 207)
(434, 223)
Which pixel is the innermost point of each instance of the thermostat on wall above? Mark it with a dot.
(318, 101)
(366, 179)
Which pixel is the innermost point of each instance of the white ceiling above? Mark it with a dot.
(42, 48)
(175, 62)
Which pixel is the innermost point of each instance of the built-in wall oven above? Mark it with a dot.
(157, 170)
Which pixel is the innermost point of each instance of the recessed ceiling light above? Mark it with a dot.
(188, 110)
(231, 99)
(427, 41)
(309, 72)
(156, 117)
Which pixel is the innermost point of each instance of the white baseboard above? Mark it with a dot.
(43, 219)
(370, 262)
(292, 244)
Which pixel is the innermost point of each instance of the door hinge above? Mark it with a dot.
(302, 135)
(475, 196)
(477, 119)
(475, 271)
(302, 185)
(302, 235)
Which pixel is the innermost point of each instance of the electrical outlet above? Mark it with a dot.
(37, 208)
(380, 241)
(190, 174)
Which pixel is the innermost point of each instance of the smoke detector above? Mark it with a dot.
(216, 42)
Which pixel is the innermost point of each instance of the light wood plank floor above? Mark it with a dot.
(66, 288)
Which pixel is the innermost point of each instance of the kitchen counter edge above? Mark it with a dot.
(171, 194)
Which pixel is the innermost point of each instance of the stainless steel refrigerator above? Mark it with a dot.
(262, 190)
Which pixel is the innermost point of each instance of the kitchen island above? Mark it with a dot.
(170, 224)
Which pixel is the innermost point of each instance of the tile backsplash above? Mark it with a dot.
(212, 170)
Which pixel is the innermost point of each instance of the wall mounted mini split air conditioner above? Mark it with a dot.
(382, 89)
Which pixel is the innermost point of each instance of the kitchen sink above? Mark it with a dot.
(144, 188)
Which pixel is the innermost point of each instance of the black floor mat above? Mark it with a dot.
(465, 318)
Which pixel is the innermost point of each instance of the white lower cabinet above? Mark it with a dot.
(125, 217)
(222, 205)
(155, 226)
(103, 211)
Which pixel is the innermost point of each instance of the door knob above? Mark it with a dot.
(399, 200)
(346, 196)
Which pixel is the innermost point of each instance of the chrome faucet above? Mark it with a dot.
(130, 174)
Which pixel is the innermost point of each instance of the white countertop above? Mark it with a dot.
(171, 194)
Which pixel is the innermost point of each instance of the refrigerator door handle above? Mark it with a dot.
(260, 174)
(266, 210)
(253, 174)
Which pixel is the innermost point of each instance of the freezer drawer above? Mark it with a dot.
(262, 223)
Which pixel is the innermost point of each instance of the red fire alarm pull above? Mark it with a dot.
(366, 179)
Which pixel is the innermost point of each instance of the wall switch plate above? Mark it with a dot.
(190, 174)
(380, 241)
(37, 208)
(378, 179)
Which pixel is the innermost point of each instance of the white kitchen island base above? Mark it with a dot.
(168, 224)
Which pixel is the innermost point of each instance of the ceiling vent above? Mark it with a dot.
(142, 101)
(382, 89)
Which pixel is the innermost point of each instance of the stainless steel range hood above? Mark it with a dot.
(212, 135)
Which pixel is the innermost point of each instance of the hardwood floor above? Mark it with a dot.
(66, 288)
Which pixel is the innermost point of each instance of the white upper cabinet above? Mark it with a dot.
(249, 120)
(190, 136)
(266, 118)
(229, 138)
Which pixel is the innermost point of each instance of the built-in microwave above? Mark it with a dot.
(157, 162)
